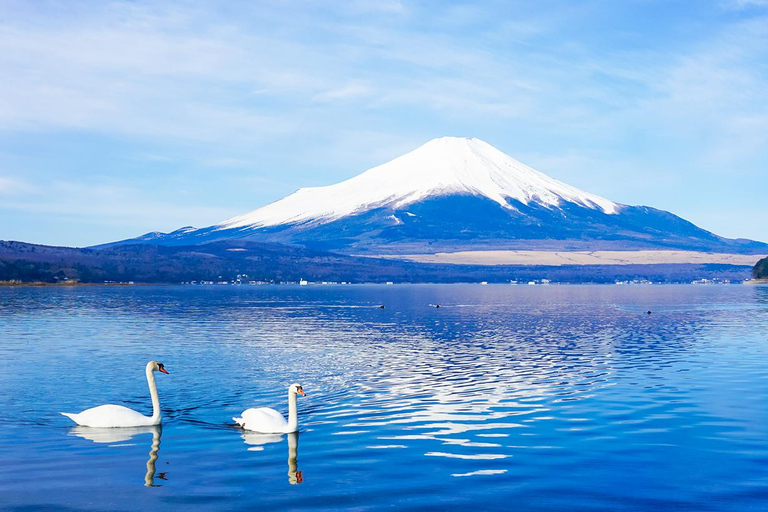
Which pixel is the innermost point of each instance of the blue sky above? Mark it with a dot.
(118, 118)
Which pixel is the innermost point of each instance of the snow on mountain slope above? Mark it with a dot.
(441, 167)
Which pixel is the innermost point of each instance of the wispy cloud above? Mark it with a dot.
(350, 91)
(744, 4)
(118, 206)
(16, 187)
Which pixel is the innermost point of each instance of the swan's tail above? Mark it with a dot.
(239, 421)
(70, 415)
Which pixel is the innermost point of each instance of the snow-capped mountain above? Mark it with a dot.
(456, 194)
(441, 167)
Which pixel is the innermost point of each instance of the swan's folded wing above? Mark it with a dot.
(110, 416)
(263, 419)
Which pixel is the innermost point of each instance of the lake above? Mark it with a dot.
(504, 398)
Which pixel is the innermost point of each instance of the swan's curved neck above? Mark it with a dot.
(156, 415)
(293, 420)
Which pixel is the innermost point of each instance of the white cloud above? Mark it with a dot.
(745, 4)
(123, 71)
(350, 91)
(6, 186)
(16, 187)
(115, 205)
(382, 6)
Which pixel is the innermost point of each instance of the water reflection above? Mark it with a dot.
(119, 435)
(149, 477)
(257, 442)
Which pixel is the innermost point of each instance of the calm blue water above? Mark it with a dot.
(504, 398)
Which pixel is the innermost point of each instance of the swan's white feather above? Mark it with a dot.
(263, 420)
(111, 416)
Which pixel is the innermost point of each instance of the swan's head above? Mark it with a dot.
(296, 389)
(156, 366)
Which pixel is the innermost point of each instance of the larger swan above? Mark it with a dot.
(269, 421)
(118, 416)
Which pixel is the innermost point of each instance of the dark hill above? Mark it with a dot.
(760, 270)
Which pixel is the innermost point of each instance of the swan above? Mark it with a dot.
(108, 416)
(269, 421)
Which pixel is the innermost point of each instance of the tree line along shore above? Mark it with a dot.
(22, 263)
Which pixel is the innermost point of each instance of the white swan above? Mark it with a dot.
(118, 416)
(269, 421)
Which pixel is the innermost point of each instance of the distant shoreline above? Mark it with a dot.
(579, 258)
(40, 284)
(67, 284)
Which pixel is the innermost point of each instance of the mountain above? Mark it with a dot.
(455, 194)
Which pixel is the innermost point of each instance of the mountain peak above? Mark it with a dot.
(452, 141)
(441, 167)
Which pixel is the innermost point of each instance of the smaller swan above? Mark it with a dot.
(108, 416)
(269, 421)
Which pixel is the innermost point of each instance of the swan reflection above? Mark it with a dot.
(119, 435)
(257, 442)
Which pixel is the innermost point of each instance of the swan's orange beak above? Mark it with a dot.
(162, 369)
(301, 392)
